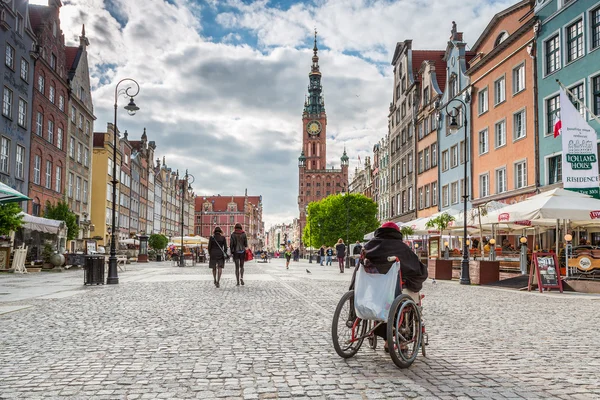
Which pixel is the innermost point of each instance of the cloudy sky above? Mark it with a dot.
(223, 81)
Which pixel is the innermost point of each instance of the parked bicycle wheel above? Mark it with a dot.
(347, 329)
(404, 331)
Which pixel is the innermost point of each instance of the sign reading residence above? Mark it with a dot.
(580, 152)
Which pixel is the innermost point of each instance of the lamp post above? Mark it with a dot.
(309, 238)
(113, 277)
(453, 128)
(492, 243)
(523, 255)
(186, 184)
(568, 239)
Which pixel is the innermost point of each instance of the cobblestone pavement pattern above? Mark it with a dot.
(166, 332)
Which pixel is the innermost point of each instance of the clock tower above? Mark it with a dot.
(314, 119)
(316, 180)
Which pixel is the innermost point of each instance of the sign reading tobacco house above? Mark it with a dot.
(580, 152)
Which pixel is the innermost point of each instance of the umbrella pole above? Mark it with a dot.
(556, 236)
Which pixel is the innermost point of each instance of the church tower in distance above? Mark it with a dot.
(316, 181)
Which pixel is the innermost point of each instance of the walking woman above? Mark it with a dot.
(340, 250)
(217, 250)
(288, 254)
(238, 244)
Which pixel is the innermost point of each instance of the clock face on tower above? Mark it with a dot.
(313, 127)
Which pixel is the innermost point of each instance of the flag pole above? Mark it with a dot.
(581, 103)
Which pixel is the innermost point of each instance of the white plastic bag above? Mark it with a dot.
(374, 293)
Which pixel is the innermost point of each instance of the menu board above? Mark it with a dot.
(434, 247)
(545, 272)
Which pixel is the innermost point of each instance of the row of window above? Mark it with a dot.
(407, 168)
(403, 202)
(518, 86)
(6, 161)
(501, 185)
(427, 158)
(401, 139)
(451, 158)
(519, 124)
(574, 38)
(428, 196)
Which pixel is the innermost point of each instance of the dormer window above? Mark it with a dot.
(501, 38)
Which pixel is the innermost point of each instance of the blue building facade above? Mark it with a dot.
(17, 40)
(452, 146)
(567, 49)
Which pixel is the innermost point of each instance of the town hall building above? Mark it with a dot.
(316, 181)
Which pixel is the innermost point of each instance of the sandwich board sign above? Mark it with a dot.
(545, 272)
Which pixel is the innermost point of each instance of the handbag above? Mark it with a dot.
(249, 256)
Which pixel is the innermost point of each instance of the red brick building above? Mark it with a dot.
(316, 181)
(226, 211)
(49, 119)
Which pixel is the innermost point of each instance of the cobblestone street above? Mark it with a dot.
(167, 332)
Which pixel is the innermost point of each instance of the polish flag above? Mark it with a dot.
(557, 126)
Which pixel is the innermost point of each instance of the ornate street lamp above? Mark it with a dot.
(186, 184)
(113, 277)
(453, 128)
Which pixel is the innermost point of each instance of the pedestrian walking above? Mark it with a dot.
(238, 243)
(322, 254)
(217, 250)
(356, 253)
(296, 254)
(329, 253)
(340, 252)
(288, 254)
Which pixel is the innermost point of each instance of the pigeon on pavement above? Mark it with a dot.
(308, 272)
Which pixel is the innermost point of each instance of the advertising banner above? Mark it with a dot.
(580, 152)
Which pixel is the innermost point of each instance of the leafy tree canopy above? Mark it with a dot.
(10, 220)
(440, 222)
(61, 212)
(348, 217)
(158, 241)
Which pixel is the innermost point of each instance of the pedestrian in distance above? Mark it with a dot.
(238, 243)
(296, 254)
(322, 254)
(288, 254)
(329, 253)
(340, 252)
(217, 250)
(356, 253)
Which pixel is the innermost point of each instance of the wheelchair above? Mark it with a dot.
(405, 328)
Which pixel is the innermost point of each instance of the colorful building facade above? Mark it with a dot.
(503, 108)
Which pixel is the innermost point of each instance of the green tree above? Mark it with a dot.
(440, 222)
(158, 241)
(61, 212)
(348, 217)
(10, 218)
(407, 231)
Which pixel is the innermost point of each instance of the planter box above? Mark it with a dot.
(440, 269)
(484, 272)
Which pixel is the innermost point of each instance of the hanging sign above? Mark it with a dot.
(580, 152)
(545, 272)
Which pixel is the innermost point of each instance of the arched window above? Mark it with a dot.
(314, 149)
(501, 38)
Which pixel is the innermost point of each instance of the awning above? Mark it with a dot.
(10, 195)
(40, 224)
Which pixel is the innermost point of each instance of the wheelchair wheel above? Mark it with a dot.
(404, 331)
(347, 328)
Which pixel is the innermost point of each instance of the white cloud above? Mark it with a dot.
(232, 113)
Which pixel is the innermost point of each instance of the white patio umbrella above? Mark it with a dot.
(547, 207)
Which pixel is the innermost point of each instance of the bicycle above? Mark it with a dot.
(405, 328)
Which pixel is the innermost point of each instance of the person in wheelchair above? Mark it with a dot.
(386, 242)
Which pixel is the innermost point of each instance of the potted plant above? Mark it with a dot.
(440, 268)
(158, 242)
(47, 255)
